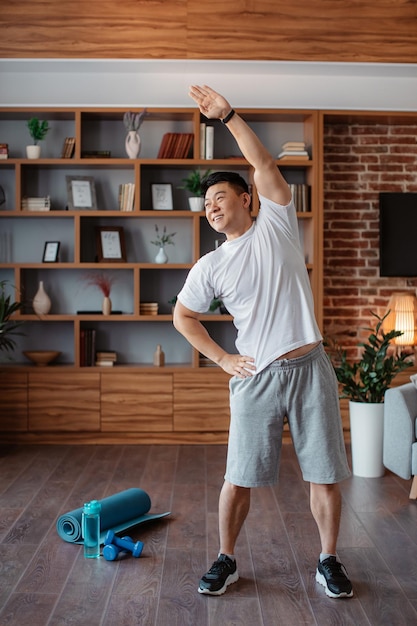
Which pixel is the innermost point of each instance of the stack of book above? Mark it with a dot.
(126, 196)
(175, 145)
(106, 358)
(87, 347)
(301, 197)
(4, 150)
(36, 204)
(148, 308)
(294, 150)
(68, 148)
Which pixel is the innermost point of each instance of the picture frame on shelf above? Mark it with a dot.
(51, 252)
(110, 244)
(162, 197)
(81, 192)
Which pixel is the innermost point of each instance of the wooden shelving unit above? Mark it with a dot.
(135, 400)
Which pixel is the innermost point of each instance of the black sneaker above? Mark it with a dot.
(333, 576)
(222, 573)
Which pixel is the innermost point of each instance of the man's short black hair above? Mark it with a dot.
(239, 184)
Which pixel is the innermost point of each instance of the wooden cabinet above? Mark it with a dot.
(64, 401)
(201, 401)
(14, 402)
(136, 402)
(164, 400)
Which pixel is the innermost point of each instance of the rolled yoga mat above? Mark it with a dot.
(118, 512)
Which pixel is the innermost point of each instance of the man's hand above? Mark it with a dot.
(210, 103)
(238, 365)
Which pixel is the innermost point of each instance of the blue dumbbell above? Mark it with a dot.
(111, 552)
(134, 548)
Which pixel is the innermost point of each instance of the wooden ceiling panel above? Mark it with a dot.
(301, 30)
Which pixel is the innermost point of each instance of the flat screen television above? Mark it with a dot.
(398, 234)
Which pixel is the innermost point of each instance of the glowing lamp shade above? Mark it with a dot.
(402, 316)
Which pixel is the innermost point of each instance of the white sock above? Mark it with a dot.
(230, 556)
(324, 556)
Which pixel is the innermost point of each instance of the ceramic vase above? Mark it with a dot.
(41, 301)
(106, 306)
(161, 257)
(132, 144)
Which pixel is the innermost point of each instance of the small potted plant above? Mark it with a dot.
(192, 183)
(364, 384)
(37, 131)
(161, 241)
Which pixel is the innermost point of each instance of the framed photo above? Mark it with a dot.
(162, 197)
(51, 251)
(110, 244)
(81, 193)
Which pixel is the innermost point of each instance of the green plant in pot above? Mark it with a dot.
(364, 384)
(37, 130)
(193, 183)
(8, 323)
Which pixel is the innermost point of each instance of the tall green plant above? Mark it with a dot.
(368, 379)
(8, 325)
(37, 129)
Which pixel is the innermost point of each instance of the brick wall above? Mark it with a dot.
(360, 160)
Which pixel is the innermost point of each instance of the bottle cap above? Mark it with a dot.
(93, 507)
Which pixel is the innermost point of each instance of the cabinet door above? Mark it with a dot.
(136, 402)
(64, 401)
(14, 401)
(201, 401)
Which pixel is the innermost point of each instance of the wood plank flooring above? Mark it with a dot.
(45, 581)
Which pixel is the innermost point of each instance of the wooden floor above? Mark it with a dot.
(45, 581)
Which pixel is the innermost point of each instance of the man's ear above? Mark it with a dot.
(247, 199)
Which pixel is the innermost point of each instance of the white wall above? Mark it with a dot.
(353, 86)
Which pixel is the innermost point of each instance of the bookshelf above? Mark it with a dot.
(152, 400)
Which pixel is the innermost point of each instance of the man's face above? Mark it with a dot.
(226, 211)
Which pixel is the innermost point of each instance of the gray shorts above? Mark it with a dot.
(302, 390)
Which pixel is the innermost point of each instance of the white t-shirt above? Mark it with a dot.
(263, 282)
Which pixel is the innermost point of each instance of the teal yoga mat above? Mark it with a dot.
(118, 512)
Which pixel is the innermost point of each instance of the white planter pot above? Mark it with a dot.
(33, 152)
(367, 437)
(196, 203)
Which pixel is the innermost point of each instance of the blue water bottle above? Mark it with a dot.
(91, 529)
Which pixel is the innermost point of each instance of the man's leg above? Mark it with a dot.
(234, 503)
(326, 507)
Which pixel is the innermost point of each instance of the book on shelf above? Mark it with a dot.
(126, 196)
(4, 150)
(36, 204)
(106, 358)
(294, 150)
(175, 145)
(301, 197)
(96, 154)
(87, 347)
(202, 140)
(209, 142)
(68, 148)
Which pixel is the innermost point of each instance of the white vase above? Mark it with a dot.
(196, 203)
(367, 438)
(161, 257)
(106, 306)
(132, 144)
(41, 301)
(33, 152)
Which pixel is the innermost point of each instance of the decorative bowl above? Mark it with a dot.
(41, 357)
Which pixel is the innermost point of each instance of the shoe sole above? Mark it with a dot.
(229, 580)
(321, 579)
